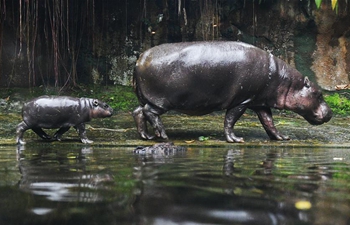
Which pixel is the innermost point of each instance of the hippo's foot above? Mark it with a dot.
(57, 137)
(285, 137)
(280, 137)
(87, 141)
(233, 138)
(20, 141)
(146, 136)
(161, 134)
(46, 137)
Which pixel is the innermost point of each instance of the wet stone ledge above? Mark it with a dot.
(183, 130)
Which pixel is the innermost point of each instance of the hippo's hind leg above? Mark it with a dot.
(231, 117)
(141, 123)
(58, 135)
(20, 129)
(265, 117)
(82, 133)
(152, 114)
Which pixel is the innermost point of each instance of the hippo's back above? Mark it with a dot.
(189, 54)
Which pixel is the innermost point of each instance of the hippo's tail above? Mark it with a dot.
(136, 87)
(134, 82)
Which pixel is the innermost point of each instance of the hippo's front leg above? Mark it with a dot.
(231, 117)
(152, 115)
(265, 117)
(82, 133)
(57, 136)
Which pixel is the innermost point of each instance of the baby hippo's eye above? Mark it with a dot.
(106, 106)
(95, 103)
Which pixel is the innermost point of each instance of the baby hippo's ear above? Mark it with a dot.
(307, 82)
(95, 102)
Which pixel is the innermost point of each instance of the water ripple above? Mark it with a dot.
(238, 185)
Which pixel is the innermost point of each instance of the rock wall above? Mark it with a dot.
(331, 59)
(315, 41)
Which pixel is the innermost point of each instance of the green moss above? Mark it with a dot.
(120, 98)
(340, 104)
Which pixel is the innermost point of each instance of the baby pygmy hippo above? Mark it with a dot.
(63, 112)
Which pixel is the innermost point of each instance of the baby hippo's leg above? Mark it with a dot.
(41, 133)
(21, 128)
(57, 136)
(82, 133)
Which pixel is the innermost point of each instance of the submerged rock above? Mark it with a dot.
(159, 148)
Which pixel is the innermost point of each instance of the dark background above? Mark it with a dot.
(64, 43)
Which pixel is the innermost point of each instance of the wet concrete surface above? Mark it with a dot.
(119, 130)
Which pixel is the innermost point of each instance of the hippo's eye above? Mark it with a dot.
(106, 106)
(95, 103)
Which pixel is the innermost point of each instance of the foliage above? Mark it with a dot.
(339, 104)
(203, 138)
(120, 98)
(334, 3)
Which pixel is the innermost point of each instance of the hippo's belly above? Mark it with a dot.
(199, 91)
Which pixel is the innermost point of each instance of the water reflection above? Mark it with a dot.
(61, 176)
(65, 186)
(255, 194)
(201, 195)
(275, 187)
(238, 185)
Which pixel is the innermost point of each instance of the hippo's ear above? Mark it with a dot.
(95, 102)
(307, 82)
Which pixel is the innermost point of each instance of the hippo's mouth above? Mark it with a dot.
(314, 121)
(318, 119)
(318, 116)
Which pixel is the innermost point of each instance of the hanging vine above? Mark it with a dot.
(209, 19)
(50, 34)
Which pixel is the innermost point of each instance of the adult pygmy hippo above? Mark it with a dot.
(201, 77)
(60, 112)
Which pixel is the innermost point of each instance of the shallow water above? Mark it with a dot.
(53, 184)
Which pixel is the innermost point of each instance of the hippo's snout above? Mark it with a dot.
(106, 112)
(323, 114)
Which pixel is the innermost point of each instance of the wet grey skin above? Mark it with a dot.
(60, 112)
(198, 78)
